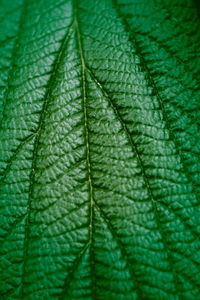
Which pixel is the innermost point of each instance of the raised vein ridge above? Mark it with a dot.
(47, 97)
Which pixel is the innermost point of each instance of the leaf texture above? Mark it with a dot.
(99, 149)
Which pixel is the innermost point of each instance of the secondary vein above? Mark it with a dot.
(152, 83)
(35, 149)
(139, 159)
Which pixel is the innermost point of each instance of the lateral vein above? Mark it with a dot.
(146, 182)
(152, 83)
(35, 149)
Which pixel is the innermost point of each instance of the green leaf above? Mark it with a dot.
(99, 149)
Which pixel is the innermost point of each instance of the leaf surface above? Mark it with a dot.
(99, 150)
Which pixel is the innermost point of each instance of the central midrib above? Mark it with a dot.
(88, 162)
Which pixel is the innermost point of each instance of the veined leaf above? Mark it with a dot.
(99, 149)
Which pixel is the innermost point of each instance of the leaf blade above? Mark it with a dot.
(93, 156)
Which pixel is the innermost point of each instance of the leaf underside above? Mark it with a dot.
(99, 149)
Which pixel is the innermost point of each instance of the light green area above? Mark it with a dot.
(99, 150)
